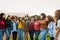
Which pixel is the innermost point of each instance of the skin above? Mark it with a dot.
(32, 20)
(57, 33)
(9, 18)
(43, 24)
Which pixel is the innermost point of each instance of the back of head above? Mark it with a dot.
(13, 17)
(57, 14)
(43, 16)
(50, 19)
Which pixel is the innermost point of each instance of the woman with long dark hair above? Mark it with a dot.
(51, 26)
(8, 27)
(37, 27)
(57, 26)
(20, 29)
(43, 27)
(2, 25)
(31, 28)
(14, 28)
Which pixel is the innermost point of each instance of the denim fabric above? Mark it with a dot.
(31, 34)
(43, 34)
(8, 32)
(37, 34)
(51, 27)
(1, 34)
(20, 34)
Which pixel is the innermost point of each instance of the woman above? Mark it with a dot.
(31, 28)
(57, 27)
(20, 29)
(43, 27)
(25, 29)
(8, 27)
(51, 26)
(2, 25)
(14, 28)
(37, 27)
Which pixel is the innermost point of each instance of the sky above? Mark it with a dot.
(30, 7)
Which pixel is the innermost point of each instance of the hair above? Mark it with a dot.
(38, 17)
(43, 15)
(13, 17)
(50, 19)
(8, 16)
(31, 18)
(57, 14)
(19, 19)
(1, 16)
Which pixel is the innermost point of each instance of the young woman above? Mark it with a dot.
(43, 27)
(20, 29)
(25, 29)
(37, 27)
(8, 27)
(31, 28)
(2, 25)
(51, 26)
(57, 27)
(14, 28)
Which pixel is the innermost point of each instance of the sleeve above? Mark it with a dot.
(58, 23)
(54, 30)
(11, 25)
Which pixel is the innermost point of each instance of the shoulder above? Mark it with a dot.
(58, 21)
(51, 23)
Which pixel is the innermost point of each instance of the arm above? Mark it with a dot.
(57, 29)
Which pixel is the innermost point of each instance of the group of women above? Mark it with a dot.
(38, 26)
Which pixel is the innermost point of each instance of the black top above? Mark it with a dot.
(8, 23)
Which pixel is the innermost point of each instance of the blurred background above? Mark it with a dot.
(30, 7)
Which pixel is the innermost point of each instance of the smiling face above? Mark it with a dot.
(32, 19)
(9, 18)
(36, 18)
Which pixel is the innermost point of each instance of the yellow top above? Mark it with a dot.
(20, 24)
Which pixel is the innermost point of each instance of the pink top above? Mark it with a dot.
(37, 25)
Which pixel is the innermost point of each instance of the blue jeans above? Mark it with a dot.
(31, 34)
(8, 32)
(1, 34)
(37, 34)
(43, 34)
(20, 34)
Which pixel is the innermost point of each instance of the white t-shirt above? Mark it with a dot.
(58, 25)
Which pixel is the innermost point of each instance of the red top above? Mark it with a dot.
(2, 24)
(31, 26)
(37, 25)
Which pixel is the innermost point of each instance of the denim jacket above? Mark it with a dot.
(13, 26)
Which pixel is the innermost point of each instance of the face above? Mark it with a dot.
(36, 18)
(41, 16)
(47, 19)
(32, 19)
(20, 18)
(14, 19)
(4, 16)
(9, 18)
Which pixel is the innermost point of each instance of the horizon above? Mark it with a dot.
(30, 7)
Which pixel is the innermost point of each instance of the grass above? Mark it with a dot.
(47, 37)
